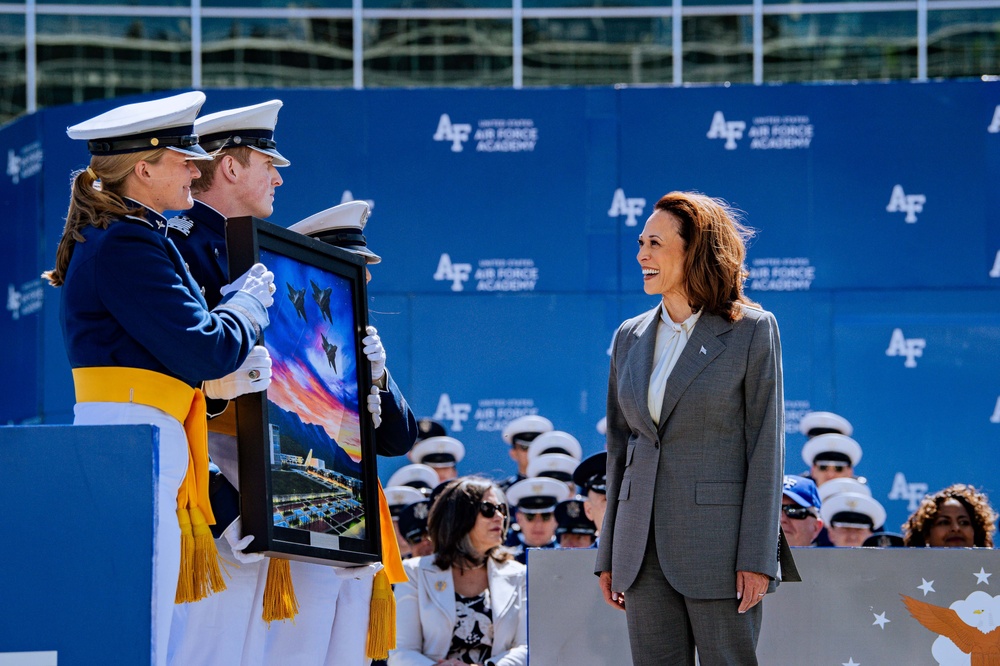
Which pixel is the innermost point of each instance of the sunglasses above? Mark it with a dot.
(831, 467)
(796, 512)
(489, 509)
(532, 517)
(414, 540)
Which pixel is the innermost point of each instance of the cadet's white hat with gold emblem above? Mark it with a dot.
(340, 225)
(852, 510)
(526, 428)
(438, 451)
(555, 441)
(250, 126)
(416, 476)
(538, 495)
(132, 128)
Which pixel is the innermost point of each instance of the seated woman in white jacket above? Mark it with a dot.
(466, 603)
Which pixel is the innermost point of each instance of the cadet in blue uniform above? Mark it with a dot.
(536, 500)
(519, 434)
(139, 336)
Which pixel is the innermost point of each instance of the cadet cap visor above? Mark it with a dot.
(537, 495)
(555, 441)
(819, 423)
(413, 519)
(572, 519)
(852, 510)
(132, 128)
(341, 226)
(250, 126)
(398, 497)
(831, 443)
(843, 485)
(438, 451)
(416, 476)
(553, 465)
(526, 425)
(591, 473)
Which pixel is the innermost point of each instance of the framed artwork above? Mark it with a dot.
(308, 478)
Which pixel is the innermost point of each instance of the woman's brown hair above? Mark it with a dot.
(715, 251)
(96, 200)
(452, 517)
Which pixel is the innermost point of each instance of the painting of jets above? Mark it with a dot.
(298, 299)
(322, 298)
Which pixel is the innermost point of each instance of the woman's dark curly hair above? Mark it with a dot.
(452, 517)
(918, 526)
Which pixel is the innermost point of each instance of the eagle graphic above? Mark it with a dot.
(983, 647)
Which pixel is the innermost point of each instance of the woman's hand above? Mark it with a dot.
(750, 589)
(613, 599)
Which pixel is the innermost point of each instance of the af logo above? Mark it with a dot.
(13, 301)
(911, 348)
(912, 492)
(457, 273)
(457, 133)
(456, 412)
(630, 208)
(996, 413)
(901, 202)
(730, 130)
(995, 123)
(13, 166)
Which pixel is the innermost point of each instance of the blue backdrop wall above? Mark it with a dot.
(507, 221)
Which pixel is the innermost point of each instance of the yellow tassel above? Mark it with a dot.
(206, 574)
(279, 594)
(381, 618)
(185, 593)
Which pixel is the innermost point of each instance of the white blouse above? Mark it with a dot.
(670, 341)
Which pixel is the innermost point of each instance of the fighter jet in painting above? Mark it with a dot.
(298, 299)
(331, 352)
(322, 298)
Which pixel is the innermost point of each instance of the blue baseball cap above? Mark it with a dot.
(802, 491)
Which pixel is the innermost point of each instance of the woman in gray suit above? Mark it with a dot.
(695, 446)
(466, 603)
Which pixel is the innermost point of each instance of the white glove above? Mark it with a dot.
(253, 376)
(375, 406)
(258, 282)
(375, 352)
(237, 544)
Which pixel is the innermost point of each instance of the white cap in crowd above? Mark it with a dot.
(538, 495)
(555, 441)
(438, 451)
(553, 465)
(820, 423)
(831, 447)
(250, 126)
(398, 497)
(341, 225)
(417, 476)
(526, 427)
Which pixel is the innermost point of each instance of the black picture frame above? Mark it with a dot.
(296, 504)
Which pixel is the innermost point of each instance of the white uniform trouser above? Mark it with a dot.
(331, 628)
(171, 461)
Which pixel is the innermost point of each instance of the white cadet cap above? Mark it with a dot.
(843, 485)
(158, 123)
(341, 226)
(555, 441)
(852, 510)
(250, 126)
(554, 465)
(415, 476)
(399, 496)
(602, 426)
(832, 447)
(820, 423)
(526, 425)
(538, 495)
(438, 451)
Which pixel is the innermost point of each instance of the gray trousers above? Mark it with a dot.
(664, 626)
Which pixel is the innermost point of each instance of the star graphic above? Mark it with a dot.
(851, 662)
(881, 621)
(928, 586)
(982, 576)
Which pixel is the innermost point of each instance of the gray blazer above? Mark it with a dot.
(709, 477)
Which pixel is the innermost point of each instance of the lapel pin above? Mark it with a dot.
(440, 586)
(703, 350)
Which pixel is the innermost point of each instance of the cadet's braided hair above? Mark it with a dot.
(96, 200)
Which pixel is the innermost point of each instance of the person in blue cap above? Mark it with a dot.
(800, 510)
(590, 476)
(573, 528)
(140, 338)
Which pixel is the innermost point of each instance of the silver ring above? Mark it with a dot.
(761, 594)
(254, 374)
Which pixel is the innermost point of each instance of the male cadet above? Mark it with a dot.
(519, 434)
(558, 466)
(850, 512)
(830, 456)
(535, 501)
(574, 529)
(417, 476)
(442, 453)
(413, 525)
(399, 497)
(590, 476)
(241, 180)
(800, 511)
